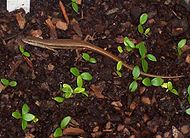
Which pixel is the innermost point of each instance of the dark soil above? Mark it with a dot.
(149, 112)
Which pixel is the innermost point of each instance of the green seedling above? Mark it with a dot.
(180, 45)
(25, 116)
(143, 19)
(80, 76)
(75, 5)
(144, 55)
(188, 91)
(87, 57)
(120, 49)
(68, 92)
(119, 67)
(64, 123)
(154, 82)
(187, 111)
(136, 73)
(129, 45)
(7, 83)
(23, 52)
(169, 87)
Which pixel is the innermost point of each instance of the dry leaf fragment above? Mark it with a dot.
(73, 131)
(97, 91)
(21, 20)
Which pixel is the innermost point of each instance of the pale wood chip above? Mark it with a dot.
(73, 131)
(64, 11)
(146, 100)
(21, 20)
(53, 33)
(61, 25)
(36, 33)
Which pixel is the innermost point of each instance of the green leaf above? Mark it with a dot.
(144, 65)
(86, 56)
(119, 65)
(182, 43)
(151, 57)
(75, 7)
(120, 49)
(25, 109)
(169, 86)
(92, 60)
(133, 86)
(146, 82)
(65, 121)
(58, 132)
(21, 49)
(129, 49)
(79, 81)
(188, 111)
(26, 54)
(28, 117)
(157, 81)
(142, 49)
(140, 29)
(143, 18)
(16, 115)
(174, 91)
(128, 42)
(58, 99)
(188, 98)
(67, 88)
(13, 84)
(68, 95)
(75, 71)
(164, 85)
(179, 51)
(147, 31)
(79, 90)
(5, 82)
(188, 90)
(136, 72)
(24, 124)
(119, 73)
(85, 94)
(86, 76)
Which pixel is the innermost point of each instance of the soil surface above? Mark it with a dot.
(110, 110)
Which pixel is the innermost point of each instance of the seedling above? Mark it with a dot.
(119, 67)
(188, 91)
(143, 19)
(188, 111)
(64, 123)
(129, 45)
(23, 52)
(144, 55)
(136, 73)
(120, 49)
(7, 83)
(180, 45)
(87, 57)
(169, 87)
(154, 82)
(75, 5)
(80, 76)
(68, 92)
(25, 116)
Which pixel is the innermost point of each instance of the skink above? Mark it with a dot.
(78, 44)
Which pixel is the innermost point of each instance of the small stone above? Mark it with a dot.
(50, 67)
(158, 136)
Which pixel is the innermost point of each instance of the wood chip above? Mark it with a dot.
(176, 133)
(36, 33)
(61, 25)
(51, 67)
(73, 131)
(2, 87)
(64, 11)
(21, 20)
(79, 2)
(133, 105)
(53, 33)
(185, 129)
(97, 91)
(146, 100)
(187, 59)
(76, 27)
(117, 104)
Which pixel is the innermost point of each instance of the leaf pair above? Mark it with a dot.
(87, 57)
(7, 83)
(59, 131)
(25, 116)
(23, 52)
(143, 19)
